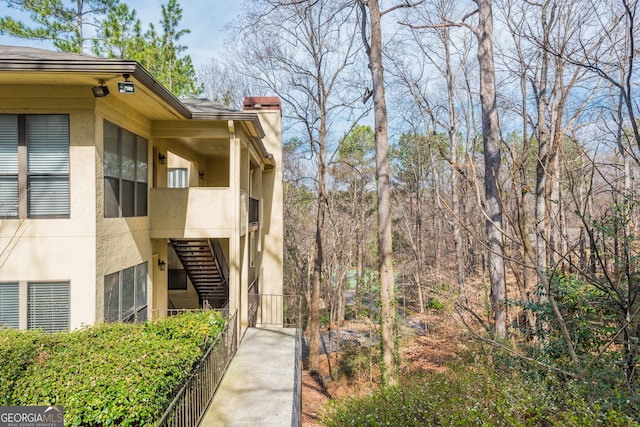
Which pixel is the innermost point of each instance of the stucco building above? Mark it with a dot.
(119, 201)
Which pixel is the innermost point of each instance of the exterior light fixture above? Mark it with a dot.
(162, 265)
(101, 90)
(201, 175)
(126, 86)
(162, 158)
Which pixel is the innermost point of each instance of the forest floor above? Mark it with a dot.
(428, 343)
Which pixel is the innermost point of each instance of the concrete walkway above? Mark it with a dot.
(257, 388)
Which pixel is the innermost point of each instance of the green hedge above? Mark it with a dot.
(111, 374)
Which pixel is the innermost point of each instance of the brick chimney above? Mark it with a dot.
(254, 103)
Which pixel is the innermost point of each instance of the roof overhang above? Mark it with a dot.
(31, 66)
(24, 65)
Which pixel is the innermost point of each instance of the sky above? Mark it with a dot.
(205, 19)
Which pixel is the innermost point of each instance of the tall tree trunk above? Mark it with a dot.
(491, 143)
(524, 218)
(314, 315)
(387, 285)
(418, 245)
(541, 167)
(455, 166)
(556, 226)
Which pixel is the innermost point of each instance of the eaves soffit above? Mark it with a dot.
(31, 66)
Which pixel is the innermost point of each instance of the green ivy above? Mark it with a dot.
(111, 374)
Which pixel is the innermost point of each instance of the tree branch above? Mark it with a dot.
(445, 24)
(406, 4)
(363, 28)
(514, 352)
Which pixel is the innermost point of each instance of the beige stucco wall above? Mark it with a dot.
(202, 212)
(217, 173)
(192, 167)
(87, 246)
(272, 226)
(57, 249)
(120, 242)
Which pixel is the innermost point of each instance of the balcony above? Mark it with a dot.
(196, 212)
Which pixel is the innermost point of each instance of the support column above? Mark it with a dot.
(159, 279)
(235, 276)
(244, 177)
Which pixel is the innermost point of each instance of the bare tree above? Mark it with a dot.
(301, 55)
(353, 173)
(372, 38)
(412, 166)
(441, 56)
(222, 85)
(493, 208)
(492, 160)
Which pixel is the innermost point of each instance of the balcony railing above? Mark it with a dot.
(196, 212)
(253, 301)
(191, 402)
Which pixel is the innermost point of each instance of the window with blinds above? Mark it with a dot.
(10, 305)
(48, 306)
(177, 178)
(125, 173)
(125, 295)
(8, 166)
(44, 164)
(47, 139)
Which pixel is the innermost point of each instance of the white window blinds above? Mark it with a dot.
(8, 166)
(177, 178)
(8, 144)
(9, 305)
(48, 306)
(47, 144)
(47, 139)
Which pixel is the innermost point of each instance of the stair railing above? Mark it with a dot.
(216, 249)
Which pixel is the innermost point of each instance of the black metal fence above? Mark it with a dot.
(275, 310)
(159, 313)
(296, 418)
(191, 402)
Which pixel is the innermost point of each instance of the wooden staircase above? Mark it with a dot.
(199, 261)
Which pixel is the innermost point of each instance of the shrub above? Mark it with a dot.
(112, 374)
(474, 395)
(435, 305)
(18, 350)
(356, 359)
(199, 328)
